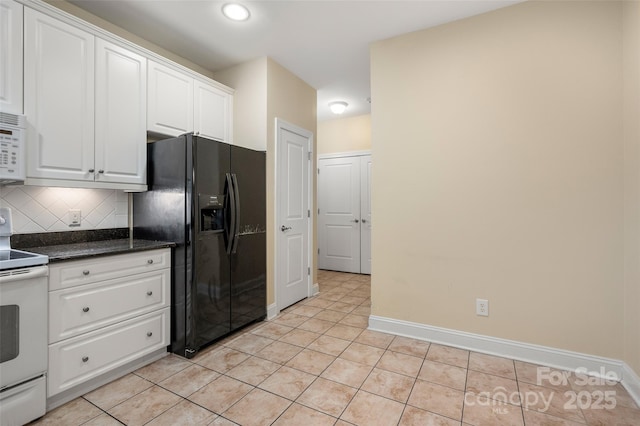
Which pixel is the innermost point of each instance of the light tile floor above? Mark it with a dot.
(316, 364)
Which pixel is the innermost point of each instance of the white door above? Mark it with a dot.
(292, 217)
(365, 214)
(11, 57)
(339, 218)
(121, 115)
(58, 98)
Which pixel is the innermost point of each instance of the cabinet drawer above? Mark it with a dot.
(76, 360)
(79, 272)
(86, 308)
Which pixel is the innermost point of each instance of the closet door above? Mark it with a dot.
(339, 216)
(365, 214)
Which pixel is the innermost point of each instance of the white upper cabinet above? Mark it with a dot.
(85, 101)
(58, 98)
(170, 101)
(179, 103)
(212, 112)
(121, 113)
(11, 57)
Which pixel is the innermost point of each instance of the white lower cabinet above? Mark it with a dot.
(100, 322)
(82, 358)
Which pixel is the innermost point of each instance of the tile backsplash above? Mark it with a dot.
(46, 209)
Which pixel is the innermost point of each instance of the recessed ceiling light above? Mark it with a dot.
(338, 107)
(235, 12)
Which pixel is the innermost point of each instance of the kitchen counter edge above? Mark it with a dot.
(84, 250)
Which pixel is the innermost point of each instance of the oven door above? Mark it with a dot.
(23, 324)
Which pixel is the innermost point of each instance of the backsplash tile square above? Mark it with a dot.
(46, 209)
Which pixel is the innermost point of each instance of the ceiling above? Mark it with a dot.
(324, 42)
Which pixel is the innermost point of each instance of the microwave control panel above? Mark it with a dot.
(12, 153)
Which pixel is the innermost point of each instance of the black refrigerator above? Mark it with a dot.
(209, 198)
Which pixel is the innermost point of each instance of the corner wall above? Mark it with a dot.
(293, 100)
(631, 76)
(500, 140)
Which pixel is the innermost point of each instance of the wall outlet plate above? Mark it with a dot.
(75, 217)
(482, 307)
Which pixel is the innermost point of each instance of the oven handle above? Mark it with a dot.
(24, 273)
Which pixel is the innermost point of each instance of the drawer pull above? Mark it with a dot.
(149, 293)
(85, 358)
(150, 261)
(85, 272)
(85, 309)
(149, 334)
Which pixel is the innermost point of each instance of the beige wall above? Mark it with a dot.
(500, 138)
(631, 45)
(290, 99)
(266, 90)
(344, 134)
(249, 80)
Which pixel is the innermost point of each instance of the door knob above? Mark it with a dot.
(355, 220)
(284, 228)
(364, 220)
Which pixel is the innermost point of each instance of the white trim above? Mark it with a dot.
(315, 290)
(631, 382)
(282, 124)
(272, 311)
(344, 154)
(543, 355)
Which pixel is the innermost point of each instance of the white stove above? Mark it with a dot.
(23, 330)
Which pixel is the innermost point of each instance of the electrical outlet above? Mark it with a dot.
(75, 217)
(482, 307)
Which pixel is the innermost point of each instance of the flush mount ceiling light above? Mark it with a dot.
(338, 107)
(235, 12)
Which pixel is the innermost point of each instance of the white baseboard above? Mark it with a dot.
(272, 311)
(631, 382)
(536, 354)
(315, 289)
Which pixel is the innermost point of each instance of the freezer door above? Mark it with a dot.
(248, 260)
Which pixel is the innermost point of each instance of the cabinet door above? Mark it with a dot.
(170, 106)
(11, 57)
(121, 115)
(58, 98)
(212, 112)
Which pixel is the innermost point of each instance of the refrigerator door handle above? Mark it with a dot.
(237, 213)
(231, 230)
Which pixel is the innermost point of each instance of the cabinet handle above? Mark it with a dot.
(85, 358)
(85, 309)
(149, 293)
(85, 272)
(100, 171)
(150, 261)
(149, 334)
(92, 170)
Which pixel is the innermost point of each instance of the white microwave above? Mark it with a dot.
(13, 134)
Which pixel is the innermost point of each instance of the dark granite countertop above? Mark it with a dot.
(60, 246)
(75, 251)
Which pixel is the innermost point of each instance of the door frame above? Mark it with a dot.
(311, 287)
